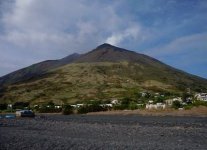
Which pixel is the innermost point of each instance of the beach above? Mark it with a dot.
(103, 132)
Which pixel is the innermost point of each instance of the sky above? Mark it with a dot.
(172, 31)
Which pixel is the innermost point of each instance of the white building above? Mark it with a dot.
(114, 102)
(201, 96)
(177, 99)
(156, 106)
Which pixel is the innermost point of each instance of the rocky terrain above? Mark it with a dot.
(103, 132)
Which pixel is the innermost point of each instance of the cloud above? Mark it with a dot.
(130, 32)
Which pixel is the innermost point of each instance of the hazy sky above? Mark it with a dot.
(173, 31)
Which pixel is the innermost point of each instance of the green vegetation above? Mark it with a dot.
(177, 104)
(48, 108)
(20, 105)
(3, 106)
(90, 108)
(67, 110)
(196, 104)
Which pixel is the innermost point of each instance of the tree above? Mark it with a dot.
(20, 105)
(159, 99)
(125, 101)
(3, 106)
(132, 106)
(185, 96)
(176, 104)
(67, 110)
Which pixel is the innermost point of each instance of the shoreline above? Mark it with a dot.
(194, 112)
(200, 111)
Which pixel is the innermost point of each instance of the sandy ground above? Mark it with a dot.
(103, 132)
(200, 111)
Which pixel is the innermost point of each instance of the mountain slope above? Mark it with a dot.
(103, 73)
(35, 70)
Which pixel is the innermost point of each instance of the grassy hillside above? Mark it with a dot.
(102, 80)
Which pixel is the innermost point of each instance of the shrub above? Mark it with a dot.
(125, 101)
(132, 106)
(199, 103)
(3, 106)
(49, 108)
(20, 105)
(67, 110)
(176, 104)
(45, 109)
(82, 110)
(187, 107)
(119, 107)
(90, 108)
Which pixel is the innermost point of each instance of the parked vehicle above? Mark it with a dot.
(25, 113)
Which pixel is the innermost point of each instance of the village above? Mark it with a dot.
(146, 100)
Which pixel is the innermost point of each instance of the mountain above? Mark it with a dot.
(104, 73)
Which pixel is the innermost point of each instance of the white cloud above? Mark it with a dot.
(130, 32)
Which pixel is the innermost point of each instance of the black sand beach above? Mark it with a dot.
(103, 132)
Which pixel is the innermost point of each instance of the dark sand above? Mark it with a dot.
(103, 132)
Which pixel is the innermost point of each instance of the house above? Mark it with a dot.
(177, 99)
(114, 102)
(156, 106)
(160, 106)
(201, 96)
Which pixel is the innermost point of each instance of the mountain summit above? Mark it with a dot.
(104, 72)
(110, 53)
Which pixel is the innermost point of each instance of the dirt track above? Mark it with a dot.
(104, 132)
